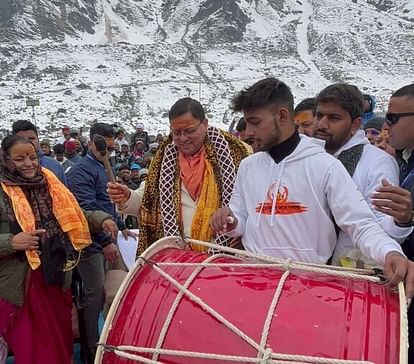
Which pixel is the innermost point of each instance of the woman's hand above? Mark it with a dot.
(27, 241)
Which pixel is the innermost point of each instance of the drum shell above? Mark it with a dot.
(317, 315)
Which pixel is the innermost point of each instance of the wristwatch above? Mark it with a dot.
(409, 223)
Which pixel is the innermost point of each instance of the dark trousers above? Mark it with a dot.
(91, 270)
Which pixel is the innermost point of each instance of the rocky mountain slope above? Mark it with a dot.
(127, 60)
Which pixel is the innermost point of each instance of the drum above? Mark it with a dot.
(181, 306)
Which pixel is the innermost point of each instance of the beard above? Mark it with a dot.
(265, 145)
(332, 144)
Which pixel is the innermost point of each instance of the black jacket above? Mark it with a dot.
(407, 182)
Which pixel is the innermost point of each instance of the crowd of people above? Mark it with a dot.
(349, 171)
(129, 156)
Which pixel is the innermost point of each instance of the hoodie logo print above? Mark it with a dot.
(282, 206)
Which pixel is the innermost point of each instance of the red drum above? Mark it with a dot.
(182, 306)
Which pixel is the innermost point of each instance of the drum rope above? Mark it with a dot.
(267, 356)
(175, 304)
(124, 351)
(269, 317)
(293, 266)
(309, 267)
(206, 307)
(265, 258)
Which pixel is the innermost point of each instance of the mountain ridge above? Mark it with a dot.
(123, 60)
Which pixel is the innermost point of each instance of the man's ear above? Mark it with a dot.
(284, 116)
(356, 124)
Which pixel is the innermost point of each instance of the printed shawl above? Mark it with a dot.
(160, 213)
(65, 209)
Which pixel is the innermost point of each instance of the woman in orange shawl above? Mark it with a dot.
(42, 230)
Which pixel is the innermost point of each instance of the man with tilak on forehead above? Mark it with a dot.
(190, 177)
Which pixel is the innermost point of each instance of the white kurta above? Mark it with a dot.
(372, 168)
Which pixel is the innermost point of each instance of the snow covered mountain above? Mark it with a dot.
(127, 60)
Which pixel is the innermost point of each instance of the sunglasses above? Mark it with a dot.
(392, 118)
(372, 132)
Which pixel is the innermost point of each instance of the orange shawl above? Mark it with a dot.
(65, 208)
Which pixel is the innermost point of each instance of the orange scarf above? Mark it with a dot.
(65, 208)
(192, 172)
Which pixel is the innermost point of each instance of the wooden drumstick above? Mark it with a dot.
(101, 147)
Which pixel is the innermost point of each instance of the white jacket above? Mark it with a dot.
(296, 222)
(373, 166)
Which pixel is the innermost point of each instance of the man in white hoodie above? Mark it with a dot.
(284, 197)
(338, 117)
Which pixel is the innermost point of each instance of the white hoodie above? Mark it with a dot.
(373, 166)
(298, 224)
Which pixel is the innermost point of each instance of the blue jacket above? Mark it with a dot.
(87, 180)
(369, 114)
(75, 158)
(54, 166)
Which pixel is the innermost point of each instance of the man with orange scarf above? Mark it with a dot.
(191, 175)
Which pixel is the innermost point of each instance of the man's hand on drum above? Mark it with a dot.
(223, 221)
(393, 201)
(397, 268)
(118, 192)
